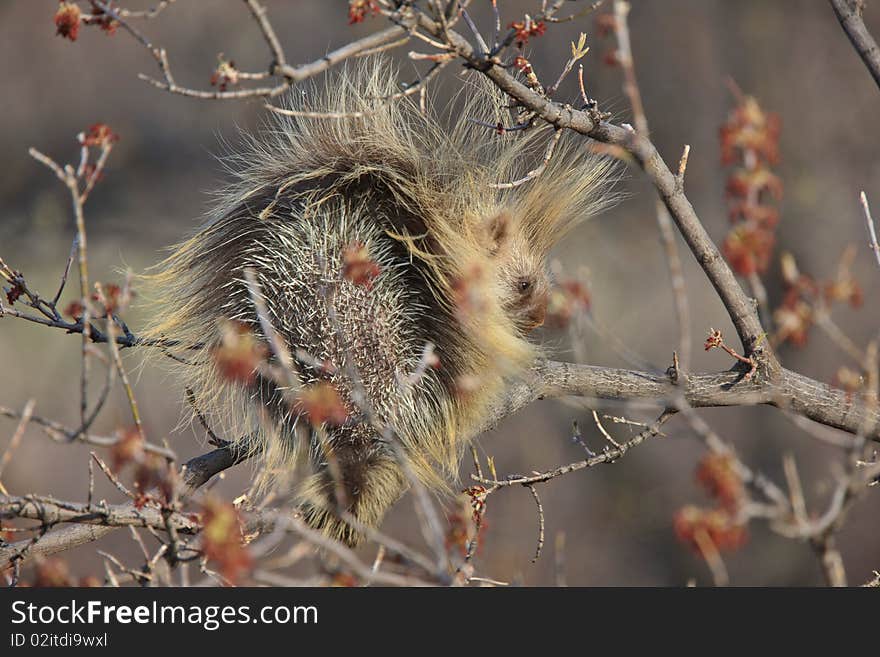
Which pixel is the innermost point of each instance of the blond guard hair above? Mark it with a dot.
(420, 198)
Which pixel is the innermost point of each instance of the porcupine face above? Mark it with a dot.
(523, 282)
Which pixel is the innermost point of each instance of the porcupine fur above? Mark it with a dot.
(453, 254)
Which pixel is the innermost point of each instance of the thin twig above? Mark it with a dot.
(63, 434)
(664, 221)
(712, 557)
(608, 456)
(26, 414)
(872, 230)
(113, 478)
(120, 368)
(537, 499)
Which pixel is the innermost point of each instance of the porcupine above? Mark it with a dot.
(461, 267)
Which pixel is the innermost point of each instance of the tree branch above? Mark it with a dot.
(849, 13)
(96, 522)
(51, 511)
(789, 390)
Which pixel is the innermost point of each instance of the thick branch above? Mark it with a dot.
(94, 524)
(789, 390)
(50, 511)
(199, 470)
(849, 13)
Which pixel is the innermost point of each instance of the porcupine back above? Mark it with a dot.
(378, 174)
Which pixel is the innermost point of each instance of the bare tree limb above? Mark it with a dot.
(51, 511)
(789, 390)
(849, 13)
(96, 523)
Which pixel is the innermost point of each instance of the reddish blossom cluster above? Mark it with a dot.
(465, 524)
(358, 10)
(606, 26)
(150, 469)
(14, 291)
(750, 142)
(225, 75)
(129, 447)
(107, 23)
(321, 404)
(717, 474)
(714, 340)
(239, 354)
(611, 58)
(526, 29)
(99, 134)
(68, 19)
(844, 288)
(569, 298)
(693, 524)
(115, 299)
(223, 539)
(457, 533)
(748, 248)
(795, 315)
(523, 64)
(342, 579)
(477, 495)
(469, 292)
(55, 573)
(358, 266)
(74, 310)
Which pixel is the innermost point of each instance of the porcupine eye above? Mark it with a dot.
(528, 306)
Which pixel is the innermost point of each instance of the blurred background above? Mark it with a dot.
(617, 520)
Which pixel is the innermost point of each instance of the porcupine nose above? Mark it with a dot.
(538, 312)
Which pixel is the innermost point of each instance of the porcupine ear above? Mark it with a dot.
(494, 232)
